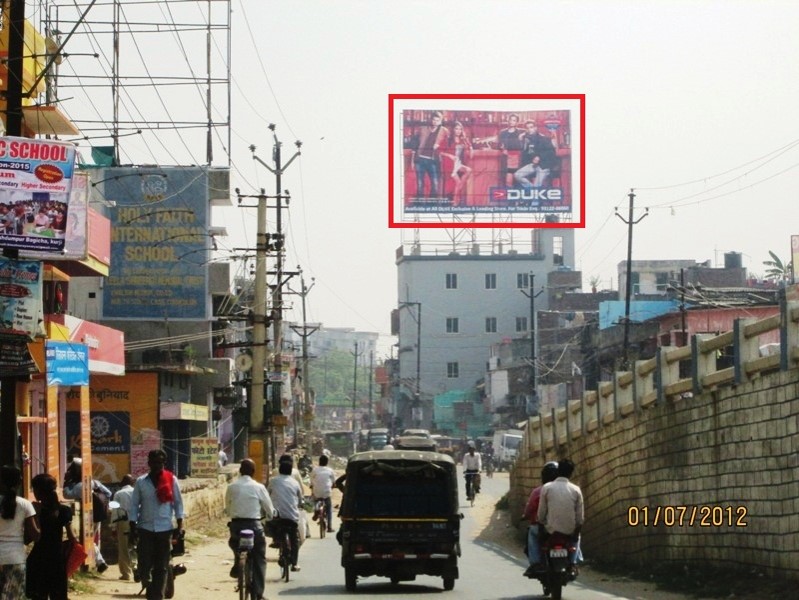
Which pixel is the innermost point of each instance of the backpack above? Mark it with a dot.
(100, 511)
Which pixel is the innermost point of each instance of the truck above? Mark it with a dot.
(506, 447)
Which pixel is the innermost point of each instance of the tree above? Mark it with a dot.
(777, 269)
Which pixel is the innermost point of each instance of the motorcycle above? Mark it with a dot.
(558, 555)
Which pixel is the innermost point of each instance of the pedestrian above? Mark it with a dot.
(123, 496)
(75, 492)
(18, 527)
(47, 569)
(155, 501)
(246, 502)
(322, 481)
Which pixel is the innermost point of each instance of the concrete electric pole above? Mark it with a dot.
(277, 293)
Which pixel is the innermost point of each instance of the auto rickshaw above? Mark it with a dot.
(399, 517)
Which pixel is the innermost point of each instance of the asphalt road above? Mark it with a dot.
(488, 570)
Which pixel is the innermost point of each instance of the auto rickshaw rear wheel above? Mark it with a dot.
(350, 579)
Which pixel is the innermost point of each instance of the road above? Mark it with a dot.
(489, 570)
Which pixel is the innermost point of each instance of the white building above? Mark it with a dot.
(467, 301)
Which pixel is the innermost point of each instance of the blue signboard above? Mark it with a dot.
(160, 246)
(110, 431)
(67, 363)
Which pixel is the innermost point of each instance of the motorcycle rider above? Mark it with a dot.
(548, 473)
(560, 508)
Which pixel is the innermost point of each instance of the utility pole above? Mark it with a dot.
(9, 449)
(629, 287)
(355, 355)
(532, 296)
(260, 319)
(307, 411)
(371, 377)
(418, 391)
(277, 294)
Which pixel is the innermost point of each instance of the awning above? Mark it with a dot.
(48, 120)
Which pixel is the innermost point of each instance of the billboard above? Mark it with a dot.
(35, 187)
(67, 363)
(123, 423)
(159, 243)
(470, 161)
(20, 297)
(75, 233)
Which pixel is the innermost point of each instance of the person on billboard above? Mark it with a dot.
(456, 153)
(538, 158)
(426, 160)
(510, 138)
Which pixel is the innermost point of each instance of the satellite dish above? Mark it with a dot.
(244, 362)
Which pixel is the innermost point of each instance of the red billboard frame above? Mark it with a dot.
(392, 140)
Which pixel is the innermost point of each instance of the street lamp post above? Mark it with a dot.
(418, 391)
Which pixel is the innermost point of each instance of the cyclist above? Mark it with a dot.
(322, 480)
(471, 467)
(287, 497)
(245, 501)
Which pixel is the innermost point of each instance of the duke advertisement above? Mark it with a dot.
(473, 161)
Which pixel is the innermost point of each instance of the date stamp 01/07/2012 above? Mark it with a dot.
(687, 516)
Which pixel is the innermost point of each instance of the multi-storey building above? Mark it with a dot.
(452, 306)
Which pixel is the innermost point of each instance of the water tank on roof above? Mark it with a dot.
(732, 260)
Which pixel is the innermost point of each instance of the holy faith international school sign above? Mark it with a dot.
(35, 186)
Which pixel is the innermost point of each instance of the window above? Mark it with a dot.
(661, 281)
(491, 324)
(491, 281)
(452, 370)
(521, 324)
(557, 250)
(522, 280)
(452, 324)
(635, 281)
(452, 281)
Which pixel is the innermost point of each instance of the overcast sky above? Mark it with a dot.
(692, 103)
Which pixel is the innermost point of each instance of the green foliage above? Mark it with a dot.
(777, 269)
(331, 379)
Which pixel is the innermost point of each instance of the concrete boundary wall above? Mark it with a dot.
(698, 468)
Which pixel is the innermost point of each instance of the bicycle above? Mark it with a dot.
(320, 515)
(284, 556)
(246, 545)
(470, 477)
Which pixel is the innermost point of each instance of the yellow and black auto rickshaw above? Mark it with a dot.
(399, 517)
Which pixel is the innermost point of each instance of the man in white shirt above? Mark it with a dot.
(287, 498)
(120, 522)
(560, 508)
(246, 501)
(322, 480)
(471, 468)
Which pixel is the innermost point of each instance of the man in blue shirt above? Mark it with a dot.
(154, 502)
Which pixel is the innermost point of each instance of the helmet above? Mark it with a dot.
(470, 444)
(549, 472)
